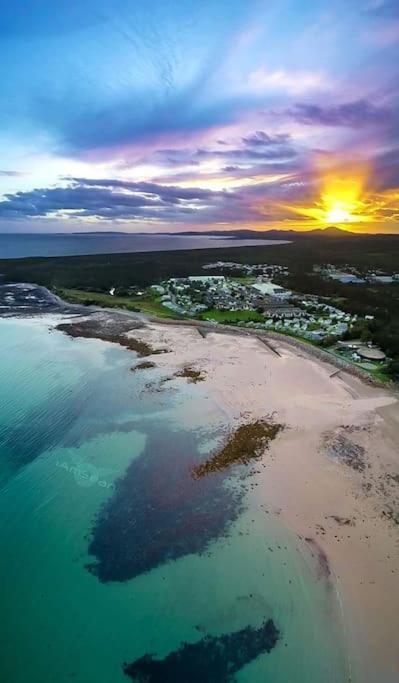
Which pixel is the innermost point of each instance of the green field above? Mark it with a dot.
(231, 316)
(244, 280)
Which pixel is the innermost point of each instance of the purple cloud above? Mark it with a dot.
(358, 113)
(262, 139)
(256, 148)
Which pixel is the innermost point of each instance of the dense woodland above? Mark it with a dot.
(101, 272)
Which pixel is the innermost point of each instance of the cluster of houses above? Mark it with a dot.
(277, 307)
(260, 269)
(351, 276)
(318, 320)
(199, 293)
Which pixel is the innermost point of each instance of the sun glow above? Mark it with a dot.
(338, 214)
(343, 198)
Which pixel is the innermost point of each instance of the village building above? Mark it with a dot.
(371, 353)
(270, 289)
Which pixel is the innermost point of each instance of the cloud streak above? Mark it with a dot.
(356, 114)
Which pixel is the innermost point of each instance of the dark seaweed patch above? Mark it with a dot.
(246, 442)
(211, 660)
(192, 375)
(144, 365)
(159, 512)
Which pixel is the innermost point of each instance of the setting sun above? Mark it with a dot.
(339, 209)
(338, 214)
(343, 198)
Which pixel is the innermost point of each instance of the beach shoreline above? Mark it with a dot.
(26, 299)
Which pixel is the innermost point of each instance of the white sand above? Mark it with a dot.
(304, 482)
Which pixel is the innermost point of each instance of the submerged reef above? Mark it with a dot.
(211, 660)
(159, 512)
(247, 442)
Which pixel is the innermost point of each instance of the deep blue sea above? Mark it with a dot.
(19, 246)
(116, 564)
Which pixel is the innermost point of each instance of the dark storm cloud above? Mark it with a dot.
(90, 201)
(109, 199)
(106, 198)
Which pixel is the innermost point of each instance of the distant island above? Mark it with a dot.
(242, 233)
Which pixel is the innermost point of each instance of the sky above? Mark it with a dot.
(172, 115)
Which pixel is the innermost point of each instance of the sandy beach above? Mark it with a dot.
(332, 475)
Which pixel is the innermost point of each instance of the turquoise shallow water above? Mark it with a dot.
(110, 551)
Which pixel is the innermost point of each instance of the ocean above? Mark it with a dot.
(24, 245)
(116, 564)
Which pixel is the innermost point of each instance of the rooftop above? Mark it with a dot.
(371, 353)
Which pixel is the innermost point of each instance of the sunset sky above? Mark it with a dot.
(179, 114)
